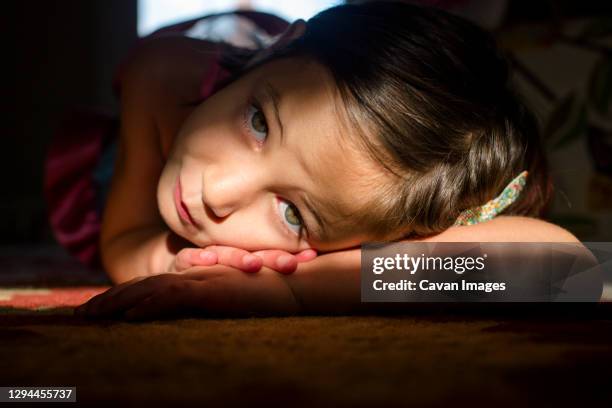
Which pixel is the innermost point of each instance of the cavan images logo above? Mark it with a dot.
(486, 271)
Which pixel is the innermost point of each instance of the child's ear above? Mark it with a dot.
(293, 31)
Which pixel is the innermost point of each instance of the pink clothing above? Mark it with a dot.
(80, 158)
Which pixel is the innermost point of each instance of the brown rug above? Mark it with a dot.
(502, 355)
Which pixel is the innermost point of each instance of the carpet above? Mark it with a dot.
(502, 355)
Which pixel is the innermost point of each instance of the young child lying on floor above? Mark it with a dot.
(379, 121)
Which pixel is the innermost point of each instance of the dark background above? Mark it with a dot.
(64, 54)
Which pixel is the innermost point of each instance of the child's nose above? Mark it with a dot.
(225, 192)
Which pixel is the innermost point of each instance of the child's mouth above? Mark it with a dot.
(181, 208)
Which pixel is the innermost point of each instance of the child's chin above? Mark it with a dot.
(199, 239)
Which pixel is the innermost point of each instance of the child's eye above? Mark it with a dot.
(291, 216)
(255, 122)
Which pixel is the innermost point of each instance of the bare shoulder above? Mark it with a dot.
(507, 228)
(152, 81)
(166, 73)
(176, 62)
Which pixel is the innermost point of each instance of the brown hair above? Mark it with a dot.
(432, 96)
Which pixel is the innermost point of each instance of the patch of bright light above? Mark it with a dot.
(154, 14)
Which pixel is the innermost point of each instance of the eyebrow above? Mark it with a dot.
(322, 221)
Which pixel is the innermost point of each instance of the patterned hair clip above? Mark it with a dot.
(492, 208)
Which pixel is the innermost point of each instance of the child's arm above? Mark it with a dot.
(328, 284)
(332, 281)
(159, 76)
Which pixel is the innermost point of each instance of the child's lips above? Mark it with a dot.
(181, 208)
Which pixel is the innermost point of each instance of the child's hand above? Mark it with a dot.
(216, 290)
(279, 260)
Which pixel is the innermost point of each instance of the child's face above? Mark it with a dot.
(245, 179)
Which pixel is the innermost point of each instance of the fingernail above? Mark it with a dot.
(283, 260)
(206, 255)
(311, 253)
(249, 260)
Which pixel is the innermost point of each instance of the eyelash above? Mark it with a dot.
(284, 225)
(254, 102)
